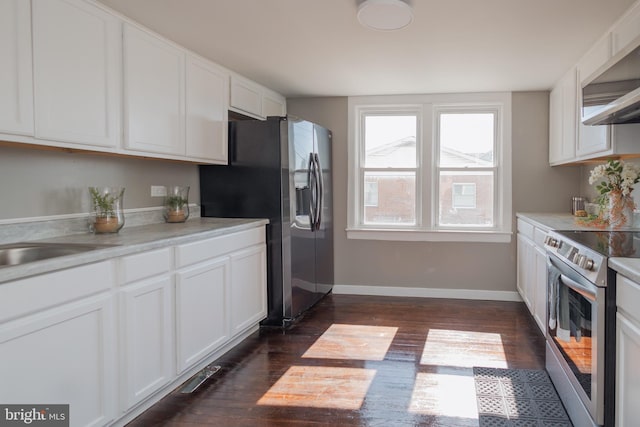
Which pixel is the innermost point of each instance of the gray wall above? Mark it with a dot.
(36, 183)
(477, 266)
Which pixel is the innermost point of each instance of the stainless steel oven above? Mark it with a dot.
(580, 355)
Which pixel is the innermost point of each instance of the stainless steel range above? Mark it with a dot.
(580, 355)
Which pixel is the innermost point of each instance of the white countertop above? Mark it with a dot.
(629, 267)
(129, 241)
(555, 221)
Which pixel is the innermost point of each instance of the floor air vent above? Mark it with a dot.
(198, 379)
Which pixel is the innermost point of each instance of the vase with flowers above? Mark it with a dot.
(615, 180)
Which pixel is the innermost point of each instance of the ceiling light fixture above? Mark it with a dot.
(385, 15)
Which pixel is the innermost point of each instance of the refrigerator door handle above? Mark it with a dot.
(320, 191)
(313, 182)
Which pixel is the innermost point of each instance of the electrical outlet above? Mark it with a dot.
(158, 191)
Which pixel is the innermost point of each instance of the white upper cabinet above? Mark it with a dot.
(16, 90)
(76, 49)
(592, 139)
(207, 92)
(273, 104)
(562, 119)
(249, 98)
(626, 33)
(246, 96)
(153, 93)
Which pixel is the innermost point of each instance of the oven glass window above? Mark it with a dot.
(570, 328)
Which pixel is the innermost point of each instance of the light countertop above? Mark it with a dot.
(629, 267)
(129, 241)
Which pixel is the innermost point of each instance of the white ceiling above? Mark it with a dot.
(318, 48)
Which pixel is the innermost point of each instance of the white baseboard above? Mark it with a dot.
(393, 291)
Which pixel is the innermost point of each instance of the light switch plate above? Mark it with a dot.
(158, 191)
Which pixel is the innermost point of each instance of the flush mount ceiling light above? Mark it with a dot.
(385, 15)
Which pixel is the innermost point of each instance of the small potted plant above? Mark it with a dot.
(107, 215)
(176, 204)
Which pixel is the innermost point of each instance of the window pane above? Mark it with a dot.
(466, 139)
(390, 141)
(395, 198)
(466, 198)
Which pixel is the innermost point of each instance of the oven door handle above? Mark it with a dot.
(581, 289)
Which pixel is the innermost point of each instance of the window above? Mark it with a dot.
(389, 166)
(430, 167)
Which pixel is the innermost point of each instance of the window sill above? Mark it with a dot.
(483, 236)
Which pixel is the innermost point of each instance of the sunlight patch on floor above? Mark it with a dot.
(463, 349)
(352, 342)
(320, 387)
(444, 395)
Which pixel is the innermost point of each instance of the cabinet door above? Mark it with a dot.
(207, 97)
(525, 269)
(246, 96)
(153, 93)
(202, 316)
(627, 30)
(147, 331)
(273, 104)
(540, 285)
(64, 355)
(76, 49)
(248, 288)
(592, 139)
(563, 119)
(16, 80)
(628, 372)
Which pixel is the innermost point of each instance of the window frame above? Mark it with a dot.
(427, 193)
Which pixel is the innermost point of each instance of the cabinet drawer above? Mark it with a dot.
(217, 246)
(146, 264)
(525, 229)
(32, 294)
(628, 296)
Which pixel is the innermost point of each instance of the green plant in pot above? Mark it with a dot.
(107, 215)
(176, 204)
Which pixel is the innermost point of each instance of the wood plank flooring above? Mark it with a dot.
(362, 361)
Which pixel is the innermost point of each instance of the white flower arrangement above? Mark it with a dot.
(616, 176)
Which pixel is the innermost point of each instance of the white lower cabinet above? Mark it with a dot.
(111, 338)
(627, 353)
(532, 270)
(248, 288)
(202, 311)
(147, 335)
(65, 355)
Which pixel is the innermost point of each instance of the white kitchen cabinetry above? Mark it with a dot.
(563, 118)
(532, 270)
(202, 298)
(76, 51)
(153, 93)
(592, 139)
(627, 352)
(207, 94)
(248, 288)
(65, 353)
(16, 79)
(221, 283)
(273, 104)
(627, 30)
(249, 98)
(146, 313)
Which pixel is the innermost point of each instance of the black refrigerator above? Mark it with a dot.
(280, 169)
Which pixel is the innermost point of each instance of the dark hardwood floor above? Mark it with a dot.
(362, 361)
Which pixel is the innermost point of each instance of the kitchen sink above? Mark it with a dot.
(22, 253)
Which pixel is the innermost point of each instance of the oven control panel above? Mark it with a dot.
(589, 263)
